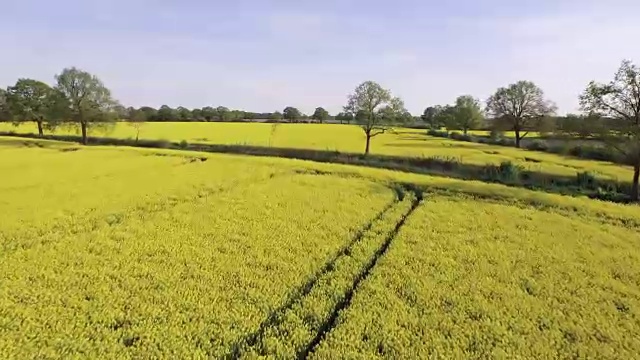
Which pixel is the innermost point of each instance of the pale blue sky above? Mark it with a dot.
(262, 56)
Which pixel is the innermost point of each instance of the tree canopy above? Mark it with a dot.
(618, 102)
(33, 100)
(320, 114)
(291, 114)
(89, 101)
(520, 107)
(375, 108)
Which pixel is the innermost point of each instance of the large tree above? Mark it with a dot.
(619, 103)
(5, 115)
(150, 114)
(184, 114)
(223, 113)
(90, 102)
(33, 100)
(429, 116)
(292, 114)
(276, 115)
(320, 114)
(375, 108)
(467, 114)
(520, 107)
(166, 113)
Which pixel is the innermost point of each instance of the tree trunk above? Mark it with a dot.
(634, 186)
(366, 149)
(517, 137)
(40, 131)
(465, 131)
(83, 126)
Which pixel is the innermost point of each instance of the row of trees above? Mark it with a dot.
(220, 113)
(77, 97)
(611, 111)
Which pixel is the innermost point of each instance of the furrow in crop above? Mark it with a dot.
(295, 331)
(276, 315)
(330, 323)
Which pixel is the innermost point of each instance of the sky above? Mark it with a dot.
(264, 55)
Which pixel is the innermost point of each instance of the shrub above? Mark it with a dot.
(438, 133)
(510, 171)
(537, 145)
(506, 142)
(183, 144)
(462, 137)
(506, 172)
(586, 179)
(495, 134)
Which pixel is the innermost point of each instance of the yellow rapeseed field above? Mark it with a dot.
(350, 138)
(111, 253)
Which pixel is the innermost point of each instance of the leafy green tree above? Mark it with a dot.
(320, 114)
(467, 114)
(520, 107)
(276, 115)
(445, 115)
(619, 102)
(89, 101)
(429, 116)
(33, 100)
(223, 113)
(184, 114)
(196, 115)
(166, 113)
(344, 116)
(208, 113)
(150, 114)
(375, 108)
(5, 115)
(291, 114)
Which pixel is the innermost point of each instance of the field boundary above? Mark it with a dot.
(602, 189)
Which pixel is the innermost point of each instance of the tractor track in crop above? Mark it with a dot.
(273, 319)
(276, 317)
(331, 322)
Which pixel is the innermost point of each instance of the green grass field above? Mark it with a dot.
(350, 138)
(112, 253)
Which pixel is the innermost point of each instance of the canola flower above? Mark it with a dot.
(472, 279)
(137, 253)
(350, 138)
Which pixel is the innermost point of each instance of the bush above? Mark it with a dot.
(594, 153)
(495, 134)
(438, 133)
(506, 172)
(586, 179)
(462, 137)
(537, 145)
(183, 144)
(506, 142)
